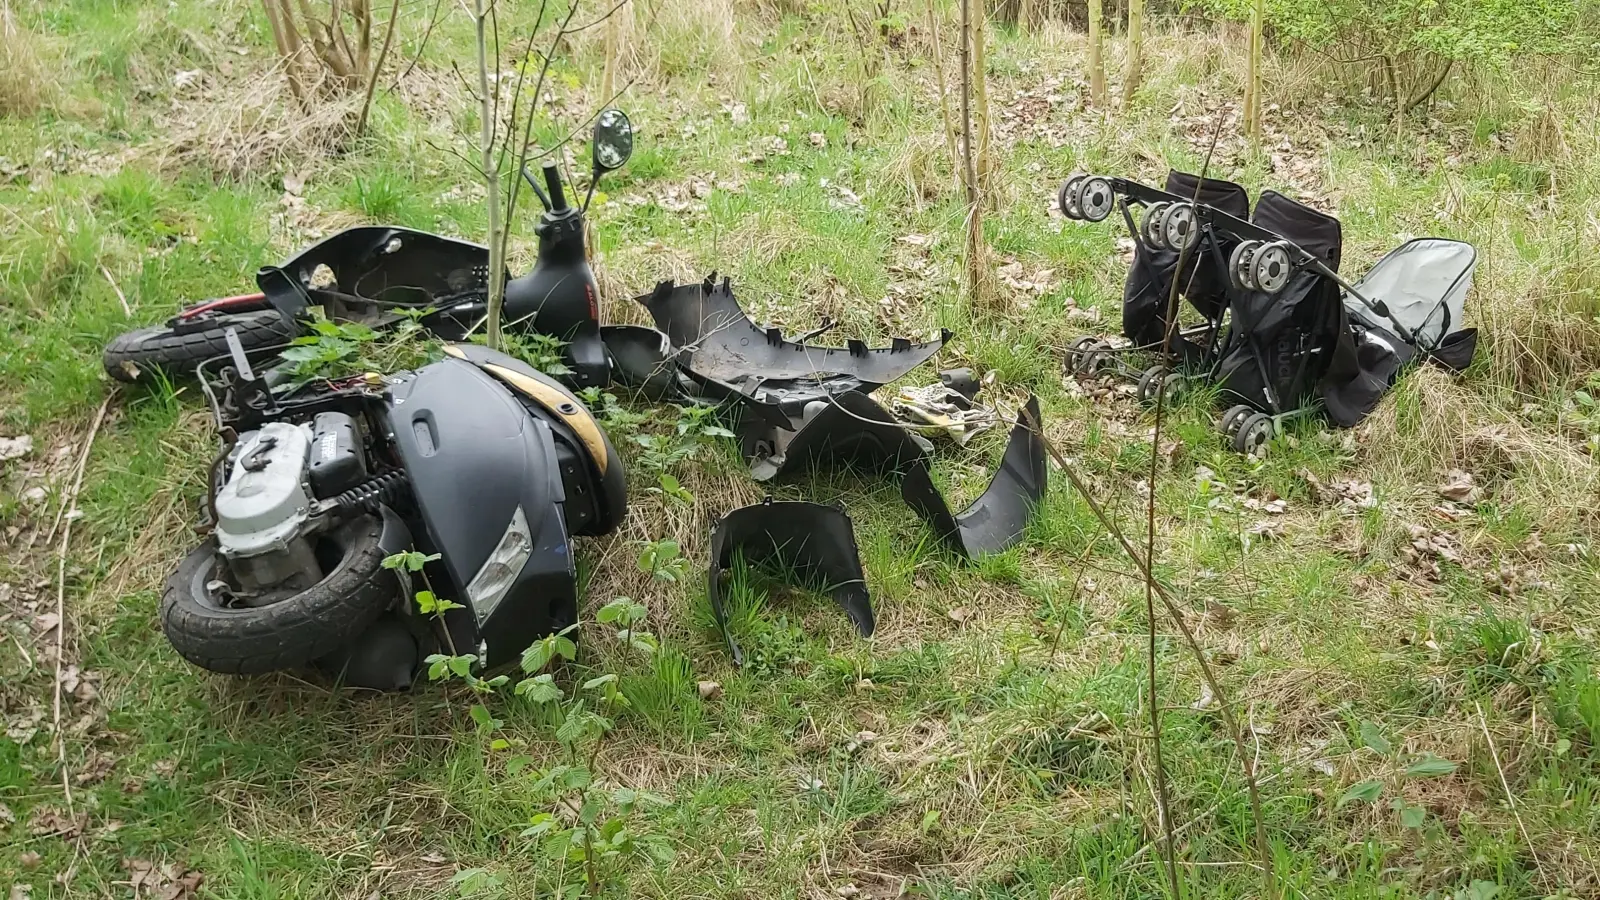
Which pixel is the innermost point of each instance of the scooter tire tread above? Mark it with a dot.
(289, 633)
(133, 355)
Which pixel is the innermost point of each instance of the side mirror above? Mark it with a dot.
(613, 140)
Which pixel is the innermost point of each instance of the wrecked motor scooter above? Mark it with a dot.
(478, 459)
(372, 274)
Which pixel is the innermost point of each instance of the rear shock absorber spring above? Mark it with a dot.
(385, 488)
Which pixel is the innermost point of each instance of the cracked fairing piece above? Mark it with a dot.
(850, 429)
(641, 358)
(720, 348)
(816, 542)
(997, 519)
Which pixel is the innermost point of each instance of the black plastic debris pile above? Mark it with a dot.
(799, 407)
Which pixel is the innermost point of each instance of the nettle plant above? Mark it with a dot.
(590, 831)
(1397, 770)
(697, 425)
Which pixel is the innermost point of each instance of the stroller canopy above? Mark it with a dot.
(1425, 283)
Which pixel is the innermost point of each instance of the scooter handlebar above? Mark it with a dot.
(552, 180)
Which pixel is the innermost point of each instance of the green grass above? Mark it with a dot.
(992, 740)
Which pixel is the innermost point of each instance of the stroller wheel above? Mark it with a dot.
(1093, 198)
(1179, 230)
(1152, 229)
(1229, 425)
(1095, 355)
(1066, 196)
(1254, 432)
(1150, 382)
(1174, 385)
(1239, 272)
(1074, 356)
(1269, 267)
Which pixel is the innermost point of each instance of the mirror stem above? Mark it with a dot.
(594, 179)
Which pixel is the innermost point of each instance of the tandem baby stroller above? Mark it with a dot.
(1299, 338)
(1169, 228)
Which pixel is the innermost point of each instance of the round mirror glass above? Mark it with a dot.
(613, 140)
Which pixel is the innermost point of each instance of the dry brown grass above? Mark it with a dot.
(26, 81)
(1434, 422)
(254, 127)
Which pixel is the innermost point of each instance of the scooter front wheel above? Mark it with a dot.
(178, 351)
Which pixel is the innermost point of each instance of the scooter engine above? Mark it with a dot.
(267, 512)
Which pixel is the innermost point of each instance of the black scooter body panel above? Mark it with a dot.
(474, 455)
(376, 268)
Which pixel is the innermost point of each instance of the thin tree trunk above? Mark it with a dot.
(491, 183)
(377, 69)
(1097, 69)
(969, 169)
(608, 79)
(944, 93)
(287, 38)
(983, 159)
(1135, 72)
(1252, 89)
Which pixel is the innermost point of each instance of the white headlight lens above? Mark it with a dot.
(501, 569)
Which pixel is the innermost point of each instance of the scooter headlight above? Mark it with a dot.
(501, 569)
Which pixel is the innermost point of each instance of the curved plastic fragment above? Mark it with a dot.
(816, 542)
(641, 358)
(997, 519)
(852, 429)
(724, 352)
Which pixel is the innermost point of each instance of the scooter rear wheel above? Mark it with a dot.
(134, 355)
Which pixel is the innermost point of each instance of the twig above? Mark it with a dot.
(1511, 800)
(1178, 618)
(1163, 800)
(61, 598)
(1077, 583)
(377, 69)
(126, 311)
(432, 21)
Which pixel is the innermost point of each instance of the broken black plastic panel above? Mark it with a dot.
(816, 542)
(850, 429)
(641, 358)
(726, 354)
(997, 519)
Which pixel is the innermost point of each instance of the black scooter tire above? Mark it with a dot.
(291, 632)
(132, 356)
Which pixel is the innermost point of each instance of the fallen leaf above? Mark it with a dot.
(47, 822)
(1458, 486)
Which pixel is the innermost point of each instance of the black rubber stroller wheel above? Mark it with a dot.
(1150, 382)
(1094, 356)
(1074, 356)
(1253, 434)
(134, 355)
(1229, 424)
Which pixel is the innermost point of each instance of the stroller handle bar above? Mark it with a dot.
(1215, 219)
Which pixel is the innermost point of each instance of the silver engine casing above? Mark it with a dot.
(264, 511)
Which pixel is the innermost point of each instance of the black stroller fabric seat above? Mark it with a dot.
(1282, 345)
(1149, 286)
